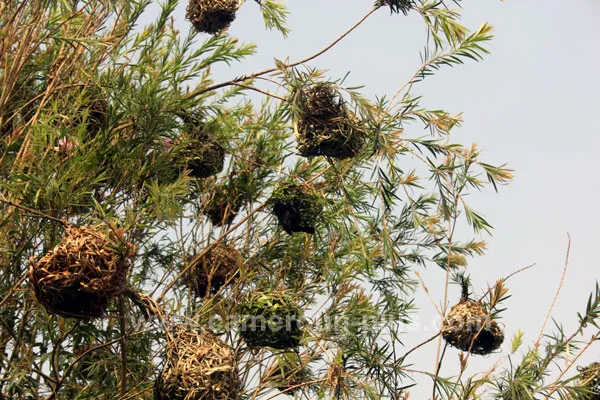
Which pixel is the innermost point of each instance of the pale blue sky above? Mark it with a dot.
(532, 103)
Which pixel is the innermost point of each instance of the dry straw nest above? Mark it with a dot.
(223, 205)
(211, 16)
(468, 327)
(270, 319)
(288, 373)
(198, 366)
(217, 268)
(202, 154)
(589, 377)
(296, 207)
(325, 126)
(83, 272)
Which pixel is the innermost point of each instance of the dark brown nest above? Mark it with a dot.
(97, 116)
(82, 273)
(589, 377)
(211, 16)
(223, 206)
(325, 127)
(198, 366)
(468, 327)
(218, 267)
(204, 156)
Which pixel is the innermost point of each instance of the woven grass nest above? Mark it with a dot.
(224, 205)
(270, 320)
(296, 207)
(83, 272)
(211, 16)
(468, 328)
(198, 366)
(325, 126)
(203, 155)
(288, 373)
(218, 267)
(590, 378)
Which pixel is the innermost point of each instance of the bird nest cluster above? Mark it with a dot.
(296, 207)
(288, 373)
(468, 327)
(270, 319)
(217, 268)
(589, 377)
(211, 16)
(83, 272)
(202, 154)
(325, 127)
(198, 366)
(223, 205)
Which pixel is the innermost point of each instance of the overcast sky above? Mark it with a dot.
(532, 103)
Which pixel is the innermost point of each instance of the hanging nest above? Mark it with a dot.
(97, 116)
(468, 328)
(270, 320)
(198, 366)
(218, 267)
(203, 155)
(211, 16)
(224, 204)
(288, 373)
(83, 272)
(297, 207)
(589, 377)
(452, 260)
(325, 126)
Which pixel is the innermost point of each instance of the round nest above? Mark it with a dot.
(288, 373)
(203, 155)
(198, 366)
(211, 16)
(97, 116)
(270, 320)
(296, 207)
(223, 206)
(82, 273)
(468, 328)
(325, 127)
(218, 267)
(590, 378)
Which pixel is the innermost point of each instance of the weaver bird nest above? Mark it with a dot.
(589, 377)
(83, 272)
(223, 205)
(270, 320)
(217, 268)
(468, 327)
(288, 373)
(211, 16)
(198, 366)
(296, 207)
(325, 127)
(202, 154)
